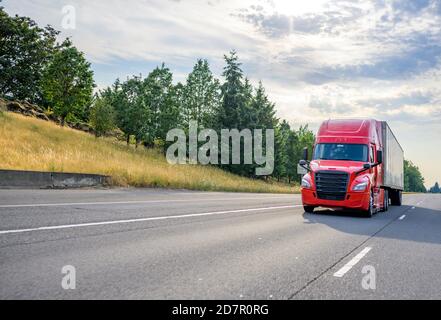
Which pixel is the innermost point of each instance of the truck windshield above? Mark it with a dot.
(339, 151)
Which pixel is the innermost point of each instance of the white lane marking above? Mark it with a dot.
(340, 273)
(91, 224)
(68, 204)
(413, 208)
(402, 217)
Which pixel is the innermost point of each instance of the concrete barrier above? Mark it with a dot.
(49, 180)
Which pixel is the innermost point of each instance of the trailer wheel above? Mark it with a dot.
(386, 201)
(309, 209)
(397, 198)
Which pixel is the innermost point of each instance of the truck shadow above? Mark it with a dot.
(420, 225)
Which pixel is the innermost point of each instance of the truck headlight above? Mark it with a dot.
(360, 187)
(306, 184)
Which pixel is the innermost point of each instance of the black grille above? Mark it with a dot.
(331, 185)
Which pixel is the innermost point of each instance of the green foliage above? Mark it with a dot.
(435, 188)
(283, 132)
(68, 84)
(289, 149)
(233, 98)
(25, 50)
(243, 107)
(413, 179)
(102, 117)
(306, 139)
(162, 101)
(262, 114)
(146, 108)
(200, 97)
(132, 113)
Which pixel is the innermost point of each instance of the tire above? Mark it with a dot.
(393, 197)
(309, 209)
(370, 212)
(386, 201)
(397, 198)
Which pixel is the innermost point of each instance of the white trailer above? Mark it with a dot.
(393, 164)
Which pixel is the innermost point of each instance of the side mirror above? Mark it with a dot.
(305, 154)
(367, 166)
(305, 165)
(379, 156)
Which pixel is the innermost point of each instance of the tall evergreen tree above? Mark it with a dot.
(243, 107)
(232, 93)
(263, 110)
(201, 96)
(260, 114)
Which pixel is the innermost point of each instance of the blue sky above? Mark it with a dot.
(318, 59)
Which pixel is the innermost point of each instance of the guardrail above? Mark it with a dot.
(10, 179)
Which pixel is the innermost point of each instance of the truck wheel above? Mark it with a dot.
(309, 209)
(370, 212)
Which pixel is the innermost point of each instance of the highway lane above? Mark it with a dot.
(162, 244)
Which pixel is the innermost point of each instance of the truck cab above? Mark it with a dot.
(352, 167)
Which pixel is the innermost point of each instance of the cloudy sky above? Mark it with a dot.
(318, 59)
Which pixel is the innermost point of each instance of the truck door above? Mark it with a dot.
(373, 160)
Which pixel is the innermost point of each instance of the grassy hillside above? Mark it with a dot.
(31, 144)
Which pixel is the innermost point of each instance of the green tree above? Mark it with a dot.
(243, 107)
(413, 179)
(281, 157)
(200, 96)
(263, 113)
(102, 116)
(25, 50)
(163, 102)
(68, 84)
(292, 161)
(233, 99)
(435, 188)
(260, 114)
(305, 139)
(147, 108)
(132, 111)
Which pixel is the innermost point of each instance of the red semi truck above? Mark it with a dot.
(356, 165)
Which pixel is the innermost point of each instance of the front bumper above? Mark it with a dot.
(353, 200)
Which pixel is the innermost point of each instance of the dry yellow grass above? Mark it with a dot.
(32, 144)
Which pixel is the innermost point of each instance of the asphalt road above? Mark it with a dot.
(156, 244)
